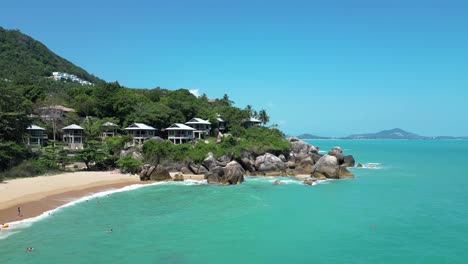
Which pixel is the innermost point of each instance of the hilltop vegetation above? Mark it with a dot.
(23, 58)
(24, 65)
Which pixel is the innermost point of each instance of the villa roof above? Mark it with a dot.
(34, 127)
(139, 126)
(179, 126)
(220, 119)
(73, 126)
(108, 124)
(253, 120)
(58, 107)
(196, 120)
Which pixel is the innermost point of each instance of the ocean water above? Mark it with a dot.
(409, 206)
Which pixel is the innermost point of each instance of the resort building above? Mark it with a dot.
(221, 124)
(140, 132)
(37, 135)
(109, 129)
(202, 127)
(73, 136)
(180, 133)
(251, 122)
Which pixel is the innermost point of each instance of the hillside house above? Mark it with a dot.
(202, 127)
(36, 135)
(73, 136)
(180, 133)
(140, 132)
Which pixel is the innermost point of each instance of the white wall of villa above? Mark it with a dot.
(202, 127)
(73, 136)
(36, 135)
(180, 133)
(140, 132)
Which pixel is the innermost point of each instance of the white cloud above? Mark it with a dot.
(195, 92)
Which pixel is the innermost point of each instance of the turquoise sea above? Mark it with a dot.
(412, 207)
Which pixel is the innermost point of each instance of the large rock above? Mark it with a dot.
(299, 146)
(327, 166)
(269, 163)
(159, 173)
(231, 174)
(134, 152)
(145, 172)
(309, 181)
(178, 177)
(306, 163)
(186, 170)
(215, 175)
(349, 161)
(338, 153)
(197, 168)
(225, 159)
(345, 173)
(209, 162)
(247, 161)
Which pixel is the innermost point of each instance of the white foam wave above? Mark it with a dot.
(371, 165)
(15, 227)
(323, 151)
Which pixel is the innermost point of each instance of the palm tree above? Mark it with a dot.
(262, 115)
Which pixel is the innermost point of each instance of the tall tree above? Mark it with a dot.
(263, 116)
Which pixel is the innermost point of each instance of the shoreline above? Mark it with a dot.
(38, 195)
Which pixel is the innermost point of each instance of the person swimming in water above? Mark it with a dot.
(109, 231)
(29, 249)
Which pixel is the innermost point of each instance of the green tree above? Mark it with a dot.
(92, 153)
(263, 116)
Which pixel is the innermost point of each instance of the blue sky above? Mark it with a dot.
(322, 67)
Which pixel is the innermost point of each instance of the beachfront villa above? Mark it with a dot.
(140, 132)
(37, 135)
(221, 124)
(251, 122)
(73, 136)
(180, 133)
(202, 127)
(109, 129)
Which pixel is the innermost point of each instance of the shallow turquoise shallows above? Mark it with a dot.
(409, 206)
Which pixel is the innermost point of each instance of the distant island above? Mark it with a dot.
(396, 133)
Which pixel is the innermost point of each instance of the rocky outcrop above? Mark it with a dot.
(303, 161)
(332, 165)
(233, 173)
(310, 181)
(134, 152)
(209, 162)
(344, 173)
(197, 168)
(178, 177)
(247, 161)
(268, 163)
(154, 173)
(328, 166)
(349, 161)
(160, 174)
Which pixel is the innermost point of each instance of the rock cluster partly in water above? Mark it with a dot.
(304, 159)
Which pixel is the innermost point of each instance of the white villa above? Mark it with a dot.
(140, 132)
(251, 122)
(37, 135)
(202, 127)
(109, 129)
(221, 124)
(73, 136)
(180, 133)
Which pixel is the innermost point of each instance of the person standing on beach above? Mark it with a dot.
(19, 211)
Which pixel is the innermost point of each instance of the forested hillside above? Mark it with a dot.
(25, 92)
(23, 58)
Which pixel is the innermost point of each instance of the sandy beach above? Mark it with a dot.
(40, 194)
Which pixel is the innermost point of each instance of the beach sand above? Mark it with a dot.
(40, 194)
